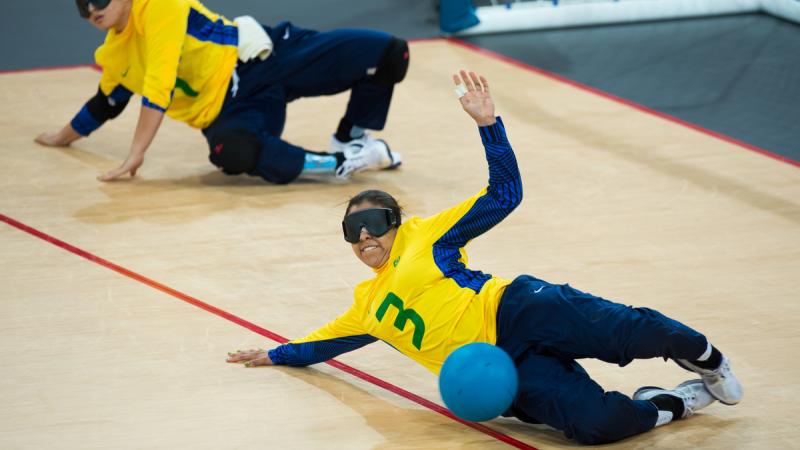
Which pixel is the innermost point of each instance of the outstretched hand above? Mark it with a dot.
(250, 358)
(131, 165)
(61, 138)
(51, 140)
(477, 101)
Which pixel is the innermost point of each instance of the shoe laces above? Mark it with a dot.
(723, 369)
(349, 167)
(353, 150)
(689, 397)
(691, 400)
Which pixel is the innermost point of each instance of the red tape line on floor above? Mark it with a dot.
(257, 329)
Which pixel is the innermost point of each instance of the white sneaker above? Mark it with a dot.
(372, 155)
(339, 146)
(694, 394)
(720, 382)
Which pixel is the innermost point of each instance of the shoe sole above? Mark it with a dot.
(647, 388)
(678, 362)
(394, 164)
(685, 383)
(719, 399)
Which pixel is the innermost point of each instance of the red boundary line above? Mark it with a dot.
(623, 101)
(259, 330)
(49, 68)
(425, 39)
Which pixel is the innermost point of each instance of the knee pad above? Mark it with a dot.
(235, 151)
(393, 65)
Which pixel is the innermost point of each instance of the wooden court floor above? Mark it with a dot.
(618, 202)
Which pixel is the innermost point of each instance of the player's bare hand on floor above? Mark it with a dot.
(250, 358)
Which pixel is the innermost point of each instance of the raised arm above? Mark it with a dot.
(475, 98)
(456, 226)
(505, 183)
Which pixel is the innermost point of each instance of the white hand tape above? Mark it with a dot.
(460, 90)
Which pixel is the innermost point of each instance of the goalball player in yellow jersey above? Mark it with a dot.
(425, 302)
(232, 80)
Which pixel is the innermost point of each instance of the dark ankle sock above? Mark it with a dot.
(666, 402)
(339, 158)
(712, 362)
(343, 132)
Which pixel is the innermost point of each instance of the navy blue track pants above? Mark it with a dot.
(303, 63)
(545, 327)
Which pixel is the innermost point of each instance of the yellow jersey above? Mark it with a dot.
(176, 54)
(424, 301)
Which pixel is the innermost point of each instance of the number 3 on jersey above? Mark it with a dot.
(403, 316)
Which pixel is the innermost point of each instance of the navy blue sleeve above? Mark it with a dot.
(307, 353)
(503, 194)
(505, 182)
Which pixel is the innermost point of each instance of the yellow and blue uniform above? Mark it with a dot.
(176, 54)
(425, 302)
(182, 59)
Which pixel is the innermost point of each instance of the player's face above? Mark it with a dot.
(372, 251)
(113, 15)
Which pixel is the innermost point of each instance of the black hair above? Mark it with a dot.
(374, 196)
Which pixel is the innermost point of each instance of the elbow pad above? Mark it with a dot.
(100, 108)
(103, 107)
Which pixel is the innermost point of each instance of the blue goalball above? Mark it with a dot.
(478, 381)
